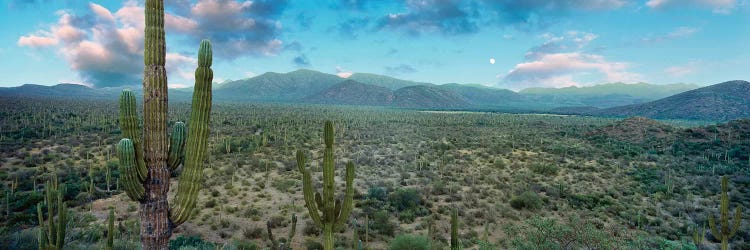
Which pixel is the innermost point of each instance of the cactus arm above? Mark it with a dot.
(737, 222)
(197, 140)
(310, 201)
(110, 229)
(131, 182)
(42, 235)
(50, 190)
(129, 128)
(301, 161)
(714, 230)
(454, 229)
(176, 146)
(348, 196)
(61, 220)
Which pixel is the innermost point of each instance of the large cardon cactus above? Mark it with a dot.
(147, 162)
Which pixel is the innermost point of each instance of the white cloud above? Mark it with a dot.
(718, 6)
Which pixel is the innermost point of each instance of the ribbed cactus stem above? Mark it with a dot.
(197, 141)
(176, 146)
(130, 130)
(325, 210)
(52, 237)
(128, 175)
(110, 229)
(725, 230)
(454, 230)
(293, 231)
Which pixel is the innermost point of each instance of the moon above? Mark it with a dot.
(492, 60)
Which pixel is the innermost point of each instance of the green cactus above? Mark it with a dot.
(52, 237)
(147, 165)
(325, 211)
(110, 229)
(698, 236)
(276, 245)
(454, 230)
(725, 231)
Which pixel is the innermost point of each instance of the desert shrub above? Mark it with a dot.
(544, 233)
(313, 245)
(245, 245)
(544, 168)
(527, 200)
(190, 241)
(381, 223)
(252, 232)
(311, 229)
(410, 242)
(405, 199)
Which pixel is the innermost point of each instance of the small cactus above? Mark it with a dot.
(52, 237)
(454, 230)
(725, 230)
(110, 229)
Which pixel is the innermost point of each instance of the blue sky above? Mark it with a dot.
(551, 43)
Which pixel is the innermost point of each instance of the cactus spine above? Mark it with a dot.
(725, 231)
(147, 165)
(454, 230)
(325, 211)
(52, 237)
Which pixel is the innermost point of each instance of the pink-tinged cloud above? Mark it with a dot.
(343, 73)
(103, 13)
(105, 49)
(557, 70)
(180, 24)
(35, 41)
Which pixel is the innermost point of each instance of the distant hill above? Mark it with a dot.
(77, 91)
(720, 102)
(604, 95)
(428, 97)
(287, 87)
(484, 96)
(351, 92)
(383, 81)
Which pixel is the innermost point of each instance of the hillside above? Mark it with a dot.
(604, 95)
(351, 92)
(483, 96)
(383, 81)
(292, 86)
(638, 130)
(428, 97)
(720, 102)
(76, 91)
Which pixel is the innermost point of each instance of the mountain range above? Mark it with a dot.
(723, 101)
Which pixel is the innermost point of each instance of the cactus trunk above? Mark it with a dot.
(725, 230)
(154, 209)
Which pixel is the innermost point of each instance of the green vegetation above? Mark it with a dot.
(52, 236)
(413, 168)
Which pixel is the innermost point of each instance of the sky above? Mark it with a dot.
(511, 44)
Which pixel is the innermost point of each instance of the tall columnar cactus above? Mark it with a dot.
(52, 236)
(454, 230)
(110, 229)
(325, 211)
(147, 164)
(725, 231)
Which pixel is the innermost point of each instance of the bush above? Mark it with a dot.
(410, 242)
(313, 245)
(527, 200)
(405, 199)
(245, 245)
(544, 169)
(194, 242)
(381, 223)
